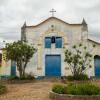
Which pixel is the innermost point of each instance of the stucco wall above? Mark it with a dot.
(70, 34)
(94, 51)
(6, 65)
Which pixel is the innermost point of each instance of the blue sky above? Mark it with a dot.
(13, 13)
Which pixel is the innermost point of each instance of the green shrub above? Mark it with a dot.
(13, 78)
(69, 89)
(69, 78)
(30, 77)
(89, 89)
(27, 77)
(77, 77)
(22, 78)
(78, 89)
(3, 89)
(58, 89)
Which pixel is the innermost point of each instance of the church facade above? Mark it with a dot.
(51, 38)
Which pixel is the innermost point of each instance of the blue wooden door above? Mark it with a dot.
(53, 65)
(97, 66)
(13, 68)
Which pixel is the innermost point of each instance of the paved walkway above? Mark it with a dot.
(28, 91)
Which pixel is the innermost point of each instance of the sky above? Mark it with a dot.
(13, 13)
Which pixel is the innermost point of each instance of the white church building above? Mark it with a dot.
(51, 38)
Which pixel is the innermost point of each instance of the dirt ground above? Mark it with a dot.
(28, 91)
(31, 91)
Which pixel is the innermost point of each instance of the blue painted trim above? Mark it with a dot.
(4, 77)
(40, 78)
(13, 68)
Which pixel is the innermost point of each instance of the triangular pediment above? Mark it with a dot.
(55, 19)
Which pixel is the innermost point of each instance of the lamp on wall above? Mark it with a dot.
(53, 39)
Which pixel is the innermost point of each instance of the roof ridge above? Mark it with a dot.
(54, 18)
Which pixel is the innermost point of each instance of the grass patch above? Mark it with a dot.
(27, 77)
(77, 77)
(77, 89)
(58, 89)
(3, 89)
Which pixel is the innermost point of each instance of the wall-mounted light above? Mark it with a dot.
(53, 39)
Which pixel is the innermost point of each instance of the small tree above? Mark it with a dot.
(79, 58)
(20, 52)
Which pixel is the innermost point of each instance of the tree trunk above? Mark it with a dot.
(20, 73)
(74, 70)
(19, 65)
(24, 72)
(24, 68)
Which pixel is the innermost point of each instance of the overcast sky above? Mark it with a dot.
(13, 13)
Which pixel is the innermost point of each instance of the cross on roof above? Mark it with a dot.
(52, 11)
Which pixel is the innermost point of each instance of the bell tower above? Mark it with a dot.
(23, 34)
(84, 30)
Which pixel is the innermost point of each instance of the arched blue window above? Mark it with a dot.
(47, 42)
(58, 42)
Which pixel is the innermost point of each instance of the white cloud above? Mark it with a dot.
(13, 13)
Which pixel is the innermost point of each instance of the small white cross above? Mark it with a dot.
(52, 11)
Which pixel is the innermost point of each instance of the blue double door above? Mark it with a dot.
(97, 66)
(53, 65)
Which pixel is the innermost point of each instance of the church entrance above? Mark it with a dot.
(97, 66)
(53, 65)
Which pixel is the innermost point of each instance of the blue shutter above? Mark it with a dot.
(47, 42)
(58, 42)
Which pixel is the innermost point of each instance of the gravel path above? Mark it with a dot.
(28, 91)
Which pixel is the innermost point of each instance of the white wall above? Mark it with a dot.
(36, 34)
